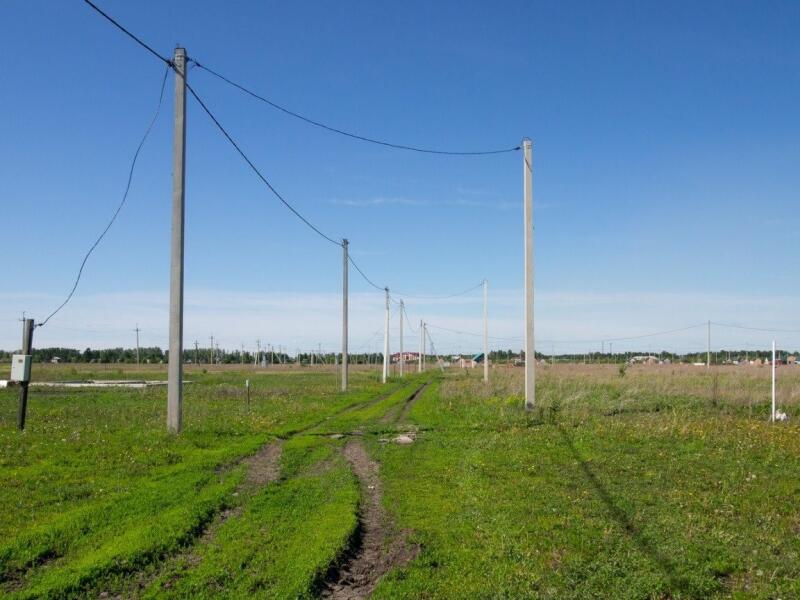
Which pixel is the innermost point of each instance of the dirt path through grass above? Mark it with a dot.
(375, 548)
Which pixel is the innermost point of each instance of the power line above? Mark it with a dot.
(511, 339)
(420, 297)
(755, 328)
(367, 279)
(128, 33)
(256, 171)
(347, 133)
(124, 196)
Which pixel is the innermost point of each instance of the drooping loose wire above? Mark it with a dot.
(348, 133)
(121, 204)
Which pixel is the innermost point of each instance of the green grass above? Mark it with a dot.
(664, 483)
(95, 487)
(665, 499)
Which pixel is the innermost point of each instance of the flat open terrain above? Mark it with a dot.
(662, 482)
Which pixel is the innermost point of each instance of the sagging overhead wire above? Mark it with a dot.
(349, 134)
(256, 170)
(124, 196)
(292, 113)
(128, 33)
(755, 328)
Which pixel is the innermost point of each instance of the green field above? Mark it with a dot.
(661, 482)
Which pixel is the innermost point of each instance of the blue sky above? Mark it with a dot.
(667, 167)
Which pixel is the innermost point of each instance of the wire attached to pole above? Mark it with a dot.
(256, 170)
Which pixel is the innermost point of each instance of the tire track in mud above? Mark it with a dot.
(375, 547)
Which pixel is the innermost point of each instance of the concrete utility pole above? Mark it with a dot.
(196, 353)
(137, 344)
(242, 356)
(386, 340)
(345, 308)
(27, 346)
(530, 346)
(402, 359)
(419, 358)
(486, 330)
(424, 343)
(211, 351)
(258, 353)
(175, 367)
(708, 347)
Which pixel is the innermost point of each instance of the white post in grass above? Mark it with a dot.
(386, 340)
(772, 417)
(530, 346)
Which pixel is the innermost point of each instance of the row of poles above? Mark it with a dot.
(175, 368)
(176, 302)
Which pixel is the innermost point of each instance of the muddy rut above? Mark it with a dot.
(375, 548)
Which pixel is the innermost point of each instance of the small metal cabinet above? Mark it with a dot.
(21, 368)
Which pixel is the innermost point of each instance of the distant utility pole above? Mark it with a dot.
(708, 347)
(402, 359)
(27, 346)
(486, 330)
(386, 340)
(175, 367)
(611, 350)
(196, 352)
(421, 342)
(137, 344)
(258, 353)
(211, 352)
(345, 260)
(424, 343)
(530, 346)
(242, 357)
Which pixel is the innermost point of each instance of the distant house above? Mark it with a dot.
(55, 360)
(791, 360)
(407, 357)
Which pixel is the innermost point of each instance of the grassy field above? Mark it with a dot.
(659, 482)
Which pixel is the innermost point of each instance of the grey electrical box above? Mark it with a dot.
(21, 368)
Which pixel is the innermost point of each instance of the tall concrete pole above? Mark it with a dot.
(402, 360)
(419, 358)
(345, 360)
(175, 367)
(137, 344)
(211, 351)
(530, 346)
(386, 340)
(708, 346)
(486, 330)
(424, 343)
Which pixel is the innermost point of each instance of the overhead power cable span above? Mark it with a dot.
(350, 134)
(124, 196)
